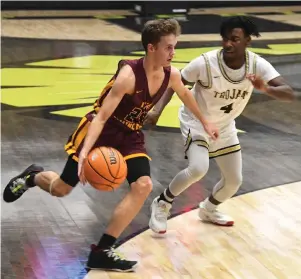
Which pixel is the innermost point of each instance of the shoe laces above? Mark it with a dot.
(162, 211)
(112, 253)
(19, 186)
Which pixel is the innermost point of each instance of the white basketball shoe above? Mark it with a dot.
(160, 211)
(214, 216)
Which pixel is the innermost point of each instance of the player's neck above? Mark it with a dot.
(235, 63)
(150, 66)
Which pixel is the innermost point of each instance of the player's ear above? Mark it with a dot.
(151, 47)
(248, 41)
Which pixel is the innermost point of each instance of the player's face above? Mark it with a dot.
(235, 43)
(164, 51)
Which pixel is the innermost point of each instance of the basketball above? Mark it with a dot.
(105, 168)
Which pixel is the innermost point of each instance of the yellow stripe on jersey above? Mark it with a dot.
(212, 154)
(225, 151)
(81, 135)
(77, 137)
(136, 155)
(79, 127)
(201, 143)
(109, 85)
(189, 141)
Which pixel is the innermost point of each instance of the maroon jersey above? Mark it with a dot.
(123, 129)
(132, 110)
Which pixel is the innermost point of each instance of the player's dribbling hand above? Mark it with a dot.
(81, 160)
(211, 130)
(151, 118)
(257, 82)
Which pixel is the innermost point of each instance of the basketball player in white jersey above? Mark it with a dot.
(223, 83)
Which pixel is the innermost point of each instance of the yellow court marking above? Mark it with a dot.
(79, 80)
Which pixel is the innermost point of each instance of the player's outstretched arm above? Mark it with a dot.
(123, 84)
(276, 88)
(269, 81)
(189, 101)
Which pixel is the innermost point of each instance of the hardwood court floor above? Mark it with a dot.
(264, 243)
(52, 73)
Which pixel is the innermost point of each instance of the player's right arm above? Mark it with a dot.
(124, 83)
(190, 74)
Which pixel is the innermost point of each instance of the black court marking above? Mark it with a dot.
(205, 24)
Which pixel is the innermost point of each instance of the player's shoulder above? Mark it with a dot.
(258, 59)
(129, 66)
(175, 74)
(174, 71)
(255, 56)
(125, 71)
(207, 55)
(210, 57)
(211, 54)
(125, 76)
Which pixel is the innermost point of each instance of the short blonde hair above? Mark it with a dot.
(155, 29)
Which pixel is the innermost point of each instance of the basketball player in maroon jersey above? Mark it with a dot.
(116, 120)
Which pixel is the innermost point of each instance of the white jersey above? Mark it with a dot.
(223, 93)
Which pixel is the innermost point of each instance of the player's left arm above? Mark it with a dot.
(269, 81)
(279, 89)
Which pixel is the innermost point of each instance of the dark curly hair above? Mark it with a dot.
(243, 22)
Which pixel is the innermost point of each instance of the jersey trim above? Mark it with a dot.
(220, 64)
(103, 94)
(254, 64)
(225, 151)
(198, 142)
(77, 137)
(136, 155)
(209, 76)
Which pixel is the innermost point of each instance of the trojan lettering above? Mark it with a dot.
(231, 94)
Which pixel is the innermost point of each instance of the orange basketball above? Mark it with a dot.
(105, 168)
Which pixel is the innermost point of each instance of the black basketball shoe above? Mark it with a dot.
(17, 186)
(108, 259)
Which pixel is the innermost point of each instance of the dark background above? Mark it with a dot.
(128, 5)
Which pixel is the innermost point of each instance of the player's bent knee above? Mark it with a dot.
(198, 171)
(143, 186)
(235, 180)
(233, 184)
(239, 180)
(59, 188)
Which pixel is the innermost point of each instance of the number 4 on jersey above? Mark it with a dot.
(227, 108)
